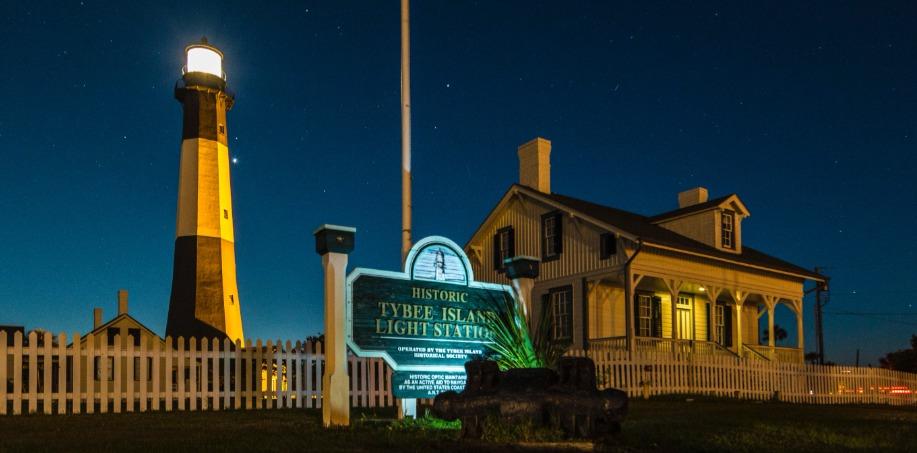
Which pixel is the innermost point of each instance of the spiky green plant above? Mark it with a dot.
(514, 345)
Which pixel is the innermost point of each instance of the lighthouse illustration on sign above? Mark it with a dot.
(439, 263)
(205, 298)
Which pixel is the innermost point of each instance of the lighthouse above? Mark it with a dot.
(205, 298)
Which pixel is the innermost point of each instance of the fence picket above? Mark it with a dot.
(144, 373)
(197, 390)
(128, 362)
(157, 377)
(226, 388)
(237, 362)
(3, 368)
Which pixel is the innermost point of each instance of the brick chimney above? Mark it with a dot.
(692, 197)
(96, 318)
(535, 165)
(122, 302)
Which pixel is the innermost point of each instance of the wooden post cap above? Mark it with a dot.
(522, 267)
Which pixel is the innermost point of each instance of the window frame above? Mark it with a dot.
(557, 239)
(500, 259)
(647, 317)
(728, 235)
(560, 306)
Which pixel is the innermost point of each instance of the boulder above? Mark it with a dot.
(567, 399)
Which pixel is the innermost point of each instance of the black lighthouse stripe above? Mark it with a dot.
(196, 304)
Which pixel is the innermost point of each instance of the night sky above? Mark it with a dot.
(808, 112)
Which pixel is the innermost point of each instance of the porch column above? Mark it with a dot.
(629, 308)
(740, 297)
(712, 293)
(800, 342)
(770, 303)
(631, 280)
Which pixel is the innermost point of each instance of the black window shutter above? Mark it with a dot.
(559, 233)
(657, 317)
(496, 252)
(512, 242)
(710, 326)
(636, 315)
(546, 313)
(544, 240)
(608, 246)
(727, 324)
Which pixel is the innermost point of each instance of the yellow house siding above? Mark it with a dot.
(700, 318)
(606, 310)
(581, 242)
(701, 226)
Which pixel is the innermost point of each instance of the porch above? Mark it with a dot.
(668, 314)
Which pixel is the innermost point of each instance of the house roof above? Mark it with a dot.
(692, 209)
(117, 319)
(646, 230)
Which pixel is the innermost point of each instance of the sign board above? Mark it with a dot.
(427, 320)
(426, 384)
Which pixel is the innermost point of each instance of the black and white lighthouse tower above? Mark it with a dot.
(205, 297)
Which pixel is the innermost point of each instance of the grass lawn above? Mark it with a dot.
(662, 425)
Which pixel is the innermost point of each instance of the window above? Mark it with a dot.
(504, 246)
(135, 334)
(232, 299)
(226, 214)
(648, 315)
(222, 130)
(111, 333)
(727, 232)
(719, 323)
(645, 315)
(723, 324)
(551, 236)
(608, 246)
(138, 371)
(561, 306)
(104, 373)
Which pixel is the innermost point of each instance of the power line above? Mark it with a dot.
(863, 313)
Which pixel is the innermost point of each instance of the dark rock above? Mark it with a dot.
(567, 399)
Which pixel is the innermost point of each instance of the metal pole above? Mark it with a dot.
(405, 131)
(406, 407)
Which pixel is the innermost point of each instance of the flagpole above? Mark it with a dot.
(405, 131)
(407, 407)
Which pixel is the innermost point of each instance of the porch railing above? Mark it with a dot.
(664, 345)
(778, 353)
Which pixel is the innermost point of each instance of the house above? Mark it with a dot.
(129, 333)
(681, 280)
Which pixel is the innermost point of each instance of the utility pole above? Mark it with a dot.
(821, 299)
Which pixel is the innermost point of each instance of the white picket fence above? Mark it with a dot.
(46, 374)
(650, 373)
(43, 373)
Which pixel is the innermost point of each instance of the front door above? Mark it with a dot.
(685, 313)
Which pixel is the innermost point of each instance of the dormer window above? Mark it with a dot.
(728, 231)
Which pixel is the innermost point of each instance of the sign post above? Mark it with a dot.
(523, 270)
(426, 321)
(334, 243)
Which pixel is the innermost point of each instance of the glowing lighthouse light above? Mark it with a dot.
(203, 58)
